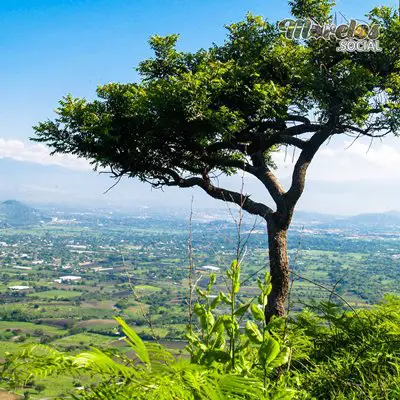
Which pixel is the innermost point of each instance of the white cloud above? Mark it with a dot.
(39, 154)
(384, 156)
(336, 162)
(346, 162)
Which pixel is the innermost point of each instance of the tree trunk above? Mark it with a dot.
(279, 269)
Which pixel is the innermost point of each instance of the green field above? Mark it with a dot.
(56, 294)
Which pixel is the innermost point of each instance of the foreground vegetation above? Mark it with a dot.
(324, 352)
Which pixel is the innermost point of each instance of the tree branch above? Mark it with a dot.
(299, 118)
(218, 193)
(301, 166)
(364, 132)
(265, 175)
(293, 141)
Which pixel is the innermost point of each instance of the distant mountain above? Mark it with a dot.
(371, 221)
(386, 219)
(14, 213)
(313, 218)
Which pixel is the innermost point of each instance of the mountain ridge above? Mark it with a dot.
(14, 213)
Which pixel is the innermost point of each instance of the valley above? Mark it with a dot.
(64, 280)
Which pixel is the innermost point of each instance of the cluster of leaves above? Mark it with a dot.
(341, 354)
(220, 341)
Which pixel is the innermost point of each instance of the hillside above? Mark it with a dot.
(378, 221)
(14, 213)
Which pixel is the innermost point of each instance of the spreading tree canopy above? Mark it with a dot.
(228, 108)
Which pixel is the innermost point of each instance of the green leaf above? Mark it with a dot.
(192, 338)
(213, 278)
(215, 302)
(218, 355)
(268, 290)
(201, 292)
(230, 324)
(225, 298)
(267, 278)
(253, 332)
(218, 326)
(134, 340)
(268, 350)
(282, 358)
(275, 323)
(257, 312)
(219, 342)
(199, 309)
(260, 284)
(210, 319)
(241, 310)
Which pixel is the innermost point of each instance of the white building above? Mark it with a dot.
(68, 278)
(210, 268)
(16, 288)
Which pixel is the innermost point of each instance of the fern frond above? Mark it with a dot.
(134, 341)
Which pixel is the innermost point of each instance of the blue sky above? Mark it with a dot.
(50, 48)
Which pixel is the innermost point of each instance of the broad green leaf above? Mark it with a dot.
(253, 332)
(219, 342)
(241, 310)
(282, 358)
(230, 324)
(218, 355)
(257, 312)
(268, 350)
(210, 319)
(262, 299)
(199, 309)
(218, 326)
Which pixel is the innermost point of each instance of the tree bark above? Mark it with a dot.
(279, 269)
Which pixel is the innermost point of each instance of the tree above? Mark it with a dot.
(229, 108)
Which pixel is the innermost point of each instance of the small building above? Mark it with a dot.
(18, 288)
(68, 278)
(208, 268)
(101, 269)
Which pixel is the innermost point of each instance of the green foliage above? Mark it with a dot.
(319, 10)
(195, 113)
(219, 341)
(154, 373)
(347, 354)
